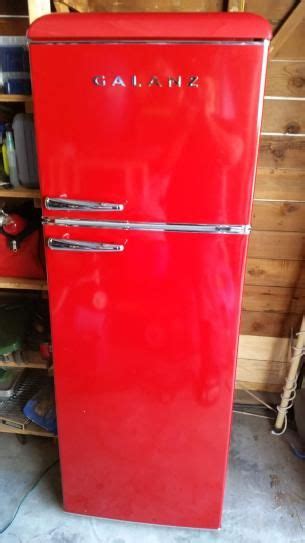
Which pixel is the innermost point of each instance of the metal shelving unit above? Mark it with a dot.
(30, 359)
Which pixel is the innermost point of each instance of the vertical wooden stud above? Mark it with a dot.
(37, 8)
(236, 5)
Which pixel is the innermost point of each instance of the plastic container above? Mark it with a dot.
(41, 409)
(25, 145)
(12, 160)
(14, 66)
(17, 86)
(5, 160)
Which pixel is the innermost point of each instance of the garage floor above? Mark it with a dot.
(265, 498)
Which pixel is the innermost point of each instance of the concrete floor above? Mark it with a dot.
(265, 497)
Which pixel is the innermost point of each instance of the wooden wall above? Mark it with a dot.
(274, 294)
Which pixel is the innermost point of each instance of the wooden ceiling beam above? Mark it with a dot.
(61, 7)
(287, 28)
(236, 5)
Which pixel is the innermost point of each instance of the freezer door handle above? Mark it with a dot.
(83, 246)
(58, 204)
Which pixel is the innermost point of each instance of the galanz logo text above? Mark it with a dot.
(153, 81)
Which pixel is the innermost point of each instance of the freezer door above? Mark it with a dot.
(164, 132)
(145, 328)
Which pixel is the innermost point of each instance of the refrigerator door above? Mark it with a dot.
(159, 132)
(145, 328)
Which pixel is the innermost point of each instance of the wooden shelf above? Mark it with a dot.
(15, 98)
(32, 359)
(19, 193)
(22, 284)
(30, 430)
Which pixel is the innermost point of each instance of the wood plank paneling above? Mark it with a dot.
(263, 348)
(277, 245)
(279, 273)
(284, 116)
(280, 184)
(281, 299)
(285, 78)
(275, 12)
(282, 152)
(261, 373)
(279, 216)
(294, 48)
(146, 5)
(274, 295)
(287, 28)
(268, 323)
(262, 362)
(262, 387)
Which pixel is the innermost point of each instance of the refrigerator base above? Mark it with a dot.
(173, 526)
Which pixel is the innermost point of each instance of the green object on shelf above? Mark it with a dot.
(13, 324)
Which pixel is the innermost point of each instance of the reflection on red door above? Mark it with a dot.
(144, 365)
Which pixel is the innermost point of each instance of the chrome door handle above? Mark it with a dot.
(83, 246)
(57, 204)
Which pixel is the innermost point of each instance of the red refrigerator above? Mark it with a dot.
(147, 128)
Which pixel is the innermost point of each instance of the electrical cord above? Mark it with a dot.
(34, 485)
(240, 412)
(289, 393)
(258, 399)
(298, 453)
(246, 409)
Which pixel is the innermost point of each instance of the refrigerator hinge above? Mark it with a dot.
(232, 229)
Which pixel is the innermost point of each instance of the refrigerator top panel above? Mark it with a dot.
(157, 130)
(188, 26)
